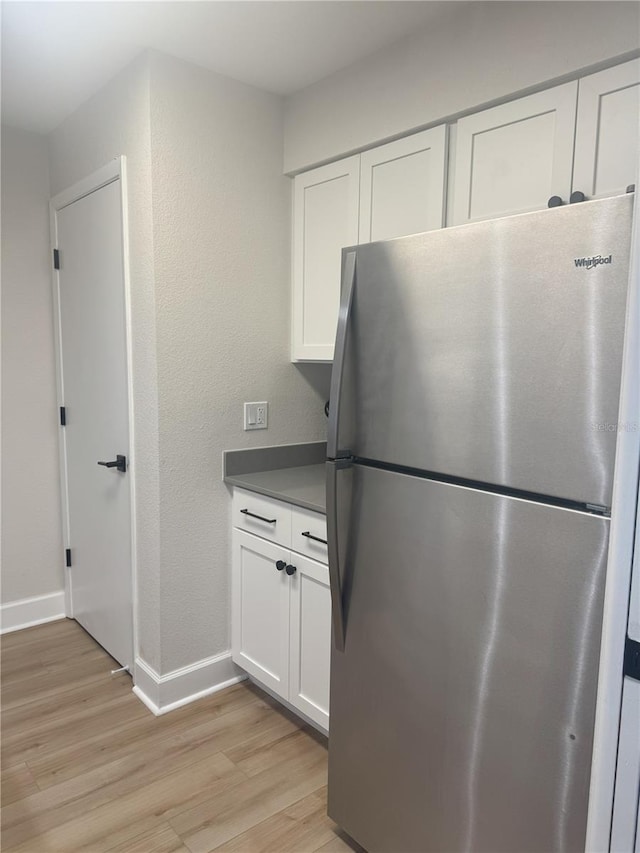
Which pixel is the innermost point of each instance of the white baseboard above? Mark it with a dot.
(164, 693)
(27, 612)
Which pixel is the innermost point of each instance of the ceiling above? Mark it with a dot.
(56, 54)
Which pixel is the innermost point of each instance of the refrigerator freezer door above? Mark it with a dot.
(493, 351)
(462, 707)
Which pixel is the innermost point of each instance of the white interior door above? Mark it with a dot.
(91, 297)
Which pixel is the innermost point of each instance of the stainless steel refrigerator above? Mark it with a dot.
(472, 435)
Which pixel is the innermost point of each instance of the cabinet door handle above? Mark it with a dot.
(291, 570)
(280, 565)
(315, 538)
(259, 517)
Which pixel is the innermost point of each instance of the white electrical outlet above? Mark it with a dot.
(256, 415)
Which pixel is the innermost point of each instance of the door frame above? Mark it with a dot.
(113, 171)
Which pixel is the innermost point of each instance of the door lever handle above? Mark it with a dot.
(119, 463)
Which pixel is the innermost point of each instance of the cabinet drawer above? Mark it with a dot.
(307, 528)
(262, 516)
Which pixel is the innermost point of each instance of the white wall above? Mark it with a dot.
(221, 237)
(32, 548)
(209, 234)
(117, 121)
(475, 54)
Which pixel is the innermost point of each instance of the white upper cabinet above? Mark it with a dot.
(580, 136)
(512, 158)
(325, 219)
(389, 191)
(607, 131)
(402, 186)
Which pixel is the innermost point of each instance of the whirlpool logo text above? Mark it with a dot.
(593, 262)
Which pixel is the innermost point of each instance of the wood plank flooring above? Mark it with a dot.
(86, 767)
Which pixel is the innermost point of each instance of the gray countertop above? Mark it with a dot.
(303, 486)
(292, 473)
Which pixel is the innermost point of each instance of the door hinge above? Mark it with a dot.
(63, 415)
(631, 659)
(67, 555)
(56, 259)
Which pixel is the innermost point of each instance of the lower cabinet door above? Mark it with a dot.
(310, 640)
(260, 611)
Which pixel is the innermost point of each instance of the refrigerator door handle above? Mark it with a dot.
(333, 539)
(348, 283)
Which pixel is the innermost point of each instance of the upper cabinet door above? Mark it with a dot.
(512, 158)
(607, 131)
(402, 186)
(325, 220)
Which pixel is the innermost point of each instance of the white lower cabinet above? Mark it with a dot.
(281, 614)
(260, 613)
(310, 638)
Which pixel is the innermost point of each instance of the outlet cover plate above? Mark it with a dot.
(256, 415)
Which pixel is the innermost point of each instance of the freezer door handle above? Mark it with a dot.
(348, 283)
(334, 528)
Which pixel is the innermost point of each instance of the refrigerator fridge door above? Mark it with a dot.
(462, 706)
(491, 352)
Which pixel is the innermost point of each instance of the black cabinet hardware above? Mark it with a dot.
(555, 201)
(576, 197)
(259, 517)
(291, 570)
(280, 565)
(315, 538)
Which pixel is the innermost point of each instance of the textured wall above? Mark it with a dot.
(117, 121)
(32, 555)
(477, 53)
(221, 236)
(209, 237)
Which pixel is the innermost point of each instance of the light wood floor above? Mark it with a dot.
(85, 766)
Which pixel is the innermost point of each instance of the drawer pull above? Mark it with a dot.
(315, 538)
(259, 517)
